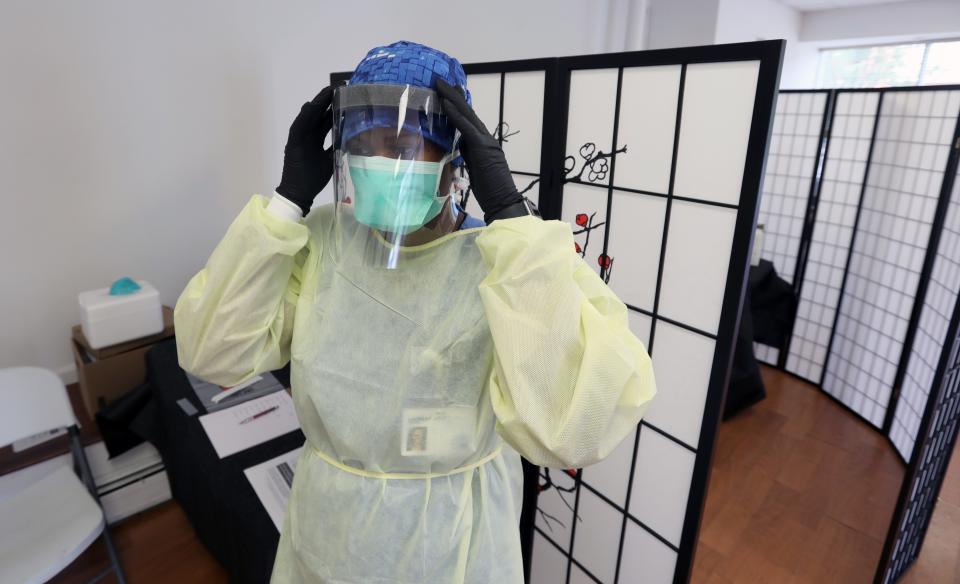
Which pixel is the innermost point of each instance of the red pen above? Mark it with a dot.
(263, 413)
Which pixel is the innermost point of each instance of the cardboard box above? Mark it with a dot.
(112, 350)
(108, 373)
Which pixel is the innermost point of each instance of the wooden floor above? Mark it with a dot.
(801, 492)
(156, 547)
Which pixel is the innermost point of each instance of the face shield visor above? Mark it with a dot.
(392, 177)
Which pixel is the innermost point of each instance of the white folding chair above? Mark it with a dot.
(48, 524)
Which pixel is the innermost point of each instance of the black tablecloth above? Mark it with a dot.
(215, 494)
(773, 304)
(769, 307)
(746, 385)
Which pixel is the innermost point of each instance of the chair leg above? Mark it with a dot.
(86, 475)
(114, 557)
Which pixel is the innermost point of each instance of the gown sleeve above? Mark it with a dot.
(569, 380)
(235, 318)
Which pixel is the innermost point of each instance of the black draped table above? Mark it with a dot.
(215, 494)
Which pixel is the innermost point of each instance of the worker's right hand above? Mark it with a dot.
(307, 166)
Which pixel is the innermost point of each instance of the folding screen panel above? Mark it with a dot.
(655, 159)
(788, 184)
(509, 98)
(938, 418)
(913, 140)
(925, 475)
(844, 172)
(663, 153)
(931, 334)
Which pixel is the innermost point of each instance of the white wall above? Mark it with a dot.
(755, 20)
(924, 19)
(680, 23)
(132, 133)
(626, 26)
(800, 66)
(672, 23)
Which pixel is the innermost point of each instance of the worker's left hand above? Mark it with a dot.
(307, 166)
(489, 174)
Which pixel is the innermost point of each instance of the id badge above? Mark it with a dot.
(438, 432)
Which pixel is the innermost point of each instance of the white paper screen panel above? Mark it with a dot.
(928, 344)
(593, 97)
(766, 354)
(649, 561)
(585, 208)
(611, 476)
(640, 325)
(522, 129)
(555, 509)
(788, 176)
(549, 565)
(913, 140)
(683, 361)
(715, 128)
(519, 125)
(791, 161)
(843, 175)
(636, 233)
(485, 97)
(695, 270)
(578, 576)
(661, 483)
(647, 127)
(597, 541)
(670, 253)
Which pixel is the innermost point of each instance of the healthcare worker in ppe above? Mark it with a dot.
(426, 352)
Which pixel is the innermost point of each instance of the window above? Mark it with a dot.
(942, 64)
(931, 63)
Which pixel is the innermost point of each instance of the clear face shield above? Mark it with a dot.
(392, 177)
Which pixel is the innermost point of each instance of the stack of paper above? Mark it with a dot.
(272, 480)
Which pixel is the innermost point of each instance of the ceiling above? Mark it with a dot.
(808, 5)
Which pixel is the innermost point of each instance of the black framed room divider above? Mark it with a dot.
(861, 218)
(655, 158)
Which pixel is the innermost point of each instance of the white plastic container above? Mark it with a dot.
(107, 320)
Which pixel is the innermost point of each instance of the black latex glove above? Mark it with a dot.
(489, 174)
(307, 167)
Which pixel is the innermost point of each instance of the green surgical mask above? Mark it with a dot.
(399, 196)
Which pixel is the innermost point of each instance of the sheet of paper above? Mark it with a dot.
(229, 435)
(271, 480)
